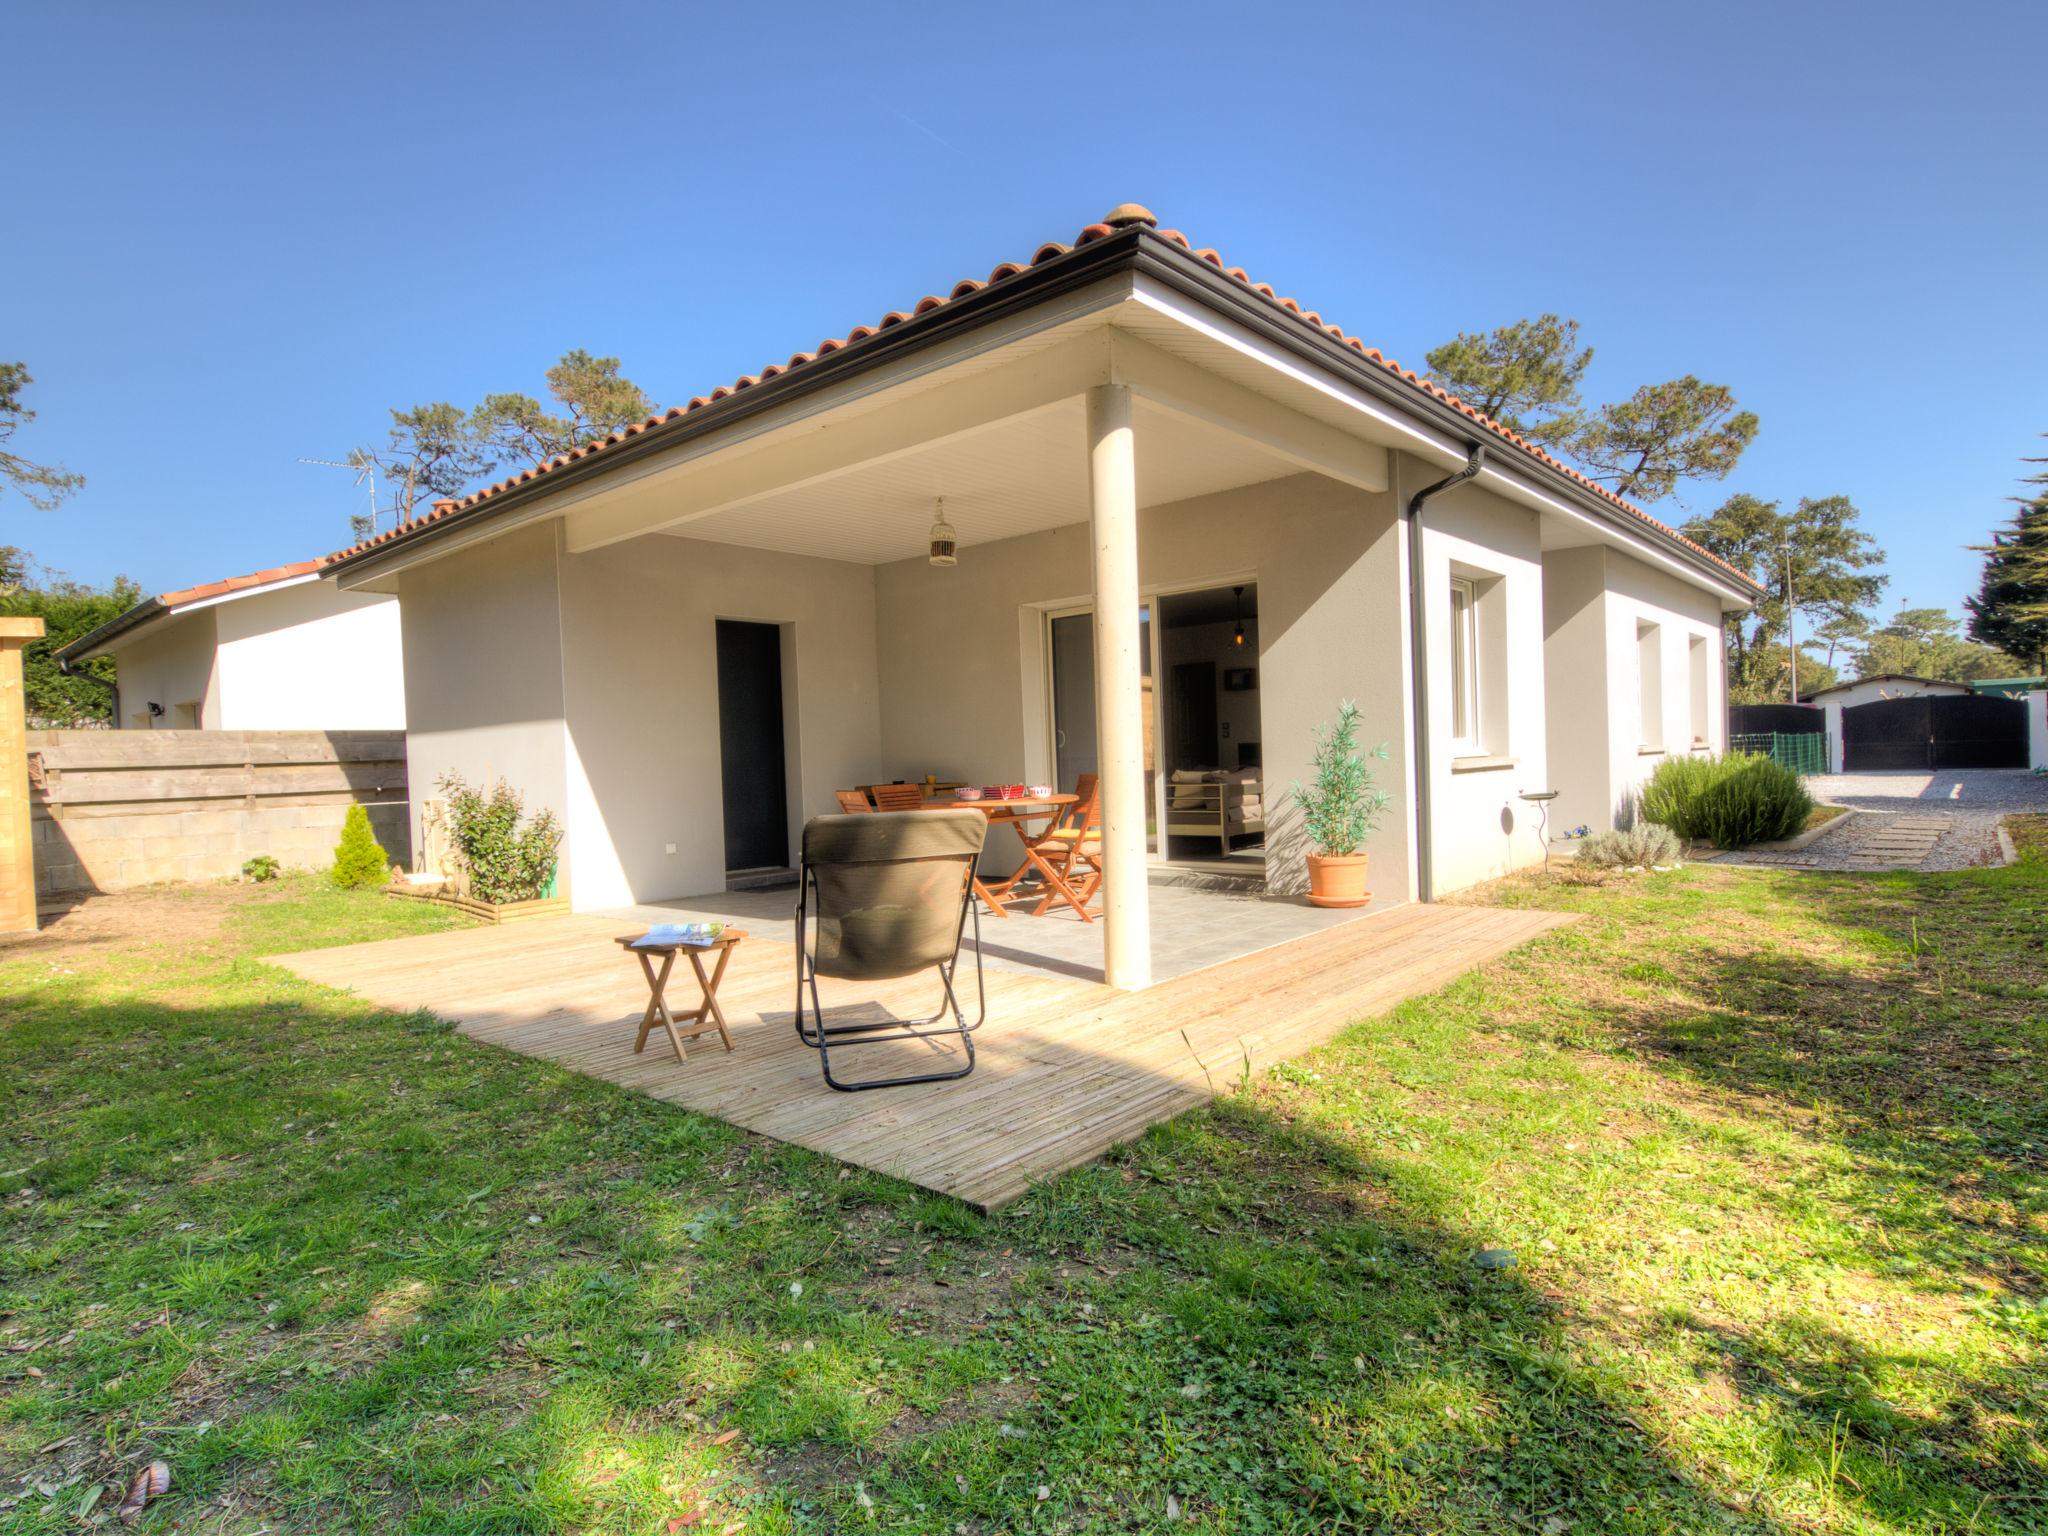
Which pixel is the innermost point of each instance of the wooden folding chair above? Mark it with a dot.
(899, 797)
(1074, 849)
(852, 802)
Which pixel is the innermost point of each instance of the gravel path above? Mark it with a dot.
(1927, 821)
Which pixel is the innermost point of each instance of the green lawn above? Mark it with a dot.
(1768, 1147)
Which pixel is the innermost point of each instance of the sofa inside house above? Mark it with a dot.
(1223, 805)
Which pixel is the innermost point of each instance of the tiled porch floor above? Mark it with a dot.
(1197, 921)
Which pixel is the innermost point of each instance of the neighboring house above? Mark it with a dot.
(684, 638)
(279, 650)
(1887, 685)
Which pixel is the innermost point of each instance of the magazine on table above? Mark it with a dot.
(688, 935)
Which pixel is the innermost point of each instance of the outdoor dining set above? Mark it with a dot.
(1063, 857)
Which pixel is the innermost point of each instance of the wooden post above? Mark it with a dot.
(17, 846)
(1119, 693)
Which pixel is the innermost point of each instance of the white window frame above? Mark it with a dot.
(1649, 686)
(1466, 659)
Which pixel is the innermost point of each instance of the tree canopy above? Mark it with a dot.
(1525, 376)
(437, 449)
(1665, 433)
(56, 700)
(1818, 551)
(43, 485)
(1928, 642)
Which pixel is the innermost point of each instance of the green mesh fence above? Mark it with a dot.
(1804, 754)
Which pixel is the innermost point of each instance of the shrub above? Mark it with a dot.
(1645, 844)
(1730, 802)
(1342, 808)
(504, 860)
(358, 860)
(262, 867)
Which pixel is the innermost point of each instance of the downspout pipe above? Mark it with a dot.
(1418, 647)
(113, 689)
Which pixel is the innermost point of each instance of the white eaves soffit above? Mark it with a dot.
(999, 434)
(992, 420)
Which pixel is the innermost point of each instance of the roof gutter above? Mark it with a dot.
(1135, 249)
(1049, 279)
(1418, 667)
(1189, 274)
(118, 625)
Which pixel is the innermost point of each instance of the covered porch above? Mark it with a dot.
(1068, 1067)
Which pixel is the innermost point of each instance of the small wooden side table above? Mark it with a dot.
(708, 1015)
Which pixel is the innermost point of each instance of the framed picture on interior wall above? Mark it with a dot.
(1240, 679)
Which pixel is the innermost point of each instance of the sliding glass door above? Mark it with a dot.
(1203, 773)
(1073, 706)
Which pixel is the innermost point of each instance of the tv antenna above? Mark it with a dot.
(365, 469)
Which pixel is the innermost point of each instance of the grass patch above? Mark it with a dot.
(1768, 1149)
(1821, 815)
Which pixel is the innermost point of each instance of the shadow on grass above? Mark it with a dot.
(341, 1267)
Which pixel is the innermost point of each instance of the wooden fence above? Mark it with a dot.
(114, 809)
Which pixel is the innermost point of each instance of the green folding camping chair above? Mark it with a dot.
(882, 896)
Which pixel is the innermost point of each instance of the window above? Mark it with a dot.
(1465, 664)
(1697, 655)
(1650, 687)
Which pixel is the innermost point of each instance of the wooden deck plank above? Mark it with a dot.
(1066, 1068)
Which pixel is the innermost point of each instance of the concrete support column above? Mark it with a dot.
(1831, 722)
(1119, 693)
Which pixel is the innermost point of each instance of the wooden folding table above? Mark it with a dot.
(708, 1015)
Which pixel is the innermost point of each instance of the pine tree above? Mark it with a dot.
(358, 859)
(2010, 609)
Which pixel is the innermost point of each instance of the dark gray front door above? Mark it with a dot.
(750, 745)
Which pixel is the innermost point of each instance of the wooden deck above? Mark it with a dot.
(1067, 1069)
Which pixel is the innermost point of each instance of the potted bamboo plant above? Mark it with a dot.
(1339, 811)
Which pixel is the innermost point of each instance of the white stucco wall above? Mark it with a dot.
(1871, 690)
(483, 671)
(169, 663)
(1481, 828)
(1596, 602)
(962, 650)
(640, 656)
(310, 657)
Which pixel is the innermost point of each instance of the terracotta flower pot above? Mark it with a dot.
(1337, 880)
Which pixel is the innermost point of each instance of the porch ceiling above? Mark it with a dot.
(1019, 475)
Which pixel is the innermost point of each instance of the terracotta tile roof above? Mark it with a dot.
(1009, 269)
(169, 602)
(241, 583)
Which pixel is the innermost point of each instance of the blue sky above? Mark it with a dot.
(236, 235)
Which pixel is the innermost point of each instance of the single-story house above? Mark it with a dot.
(276, 650)
(1885, 685)
(1115, 508)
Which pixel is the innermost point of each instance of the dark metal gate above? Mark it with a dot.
(1931, 731)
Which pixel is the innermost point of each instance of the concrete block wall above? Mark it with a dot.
(103, 852)
(112, 811)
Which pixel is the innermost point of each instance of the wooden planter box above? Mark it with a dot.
(488, 911)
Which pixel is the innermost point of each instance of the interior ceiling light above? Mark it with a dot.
(1237, 638)
(945, 543)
